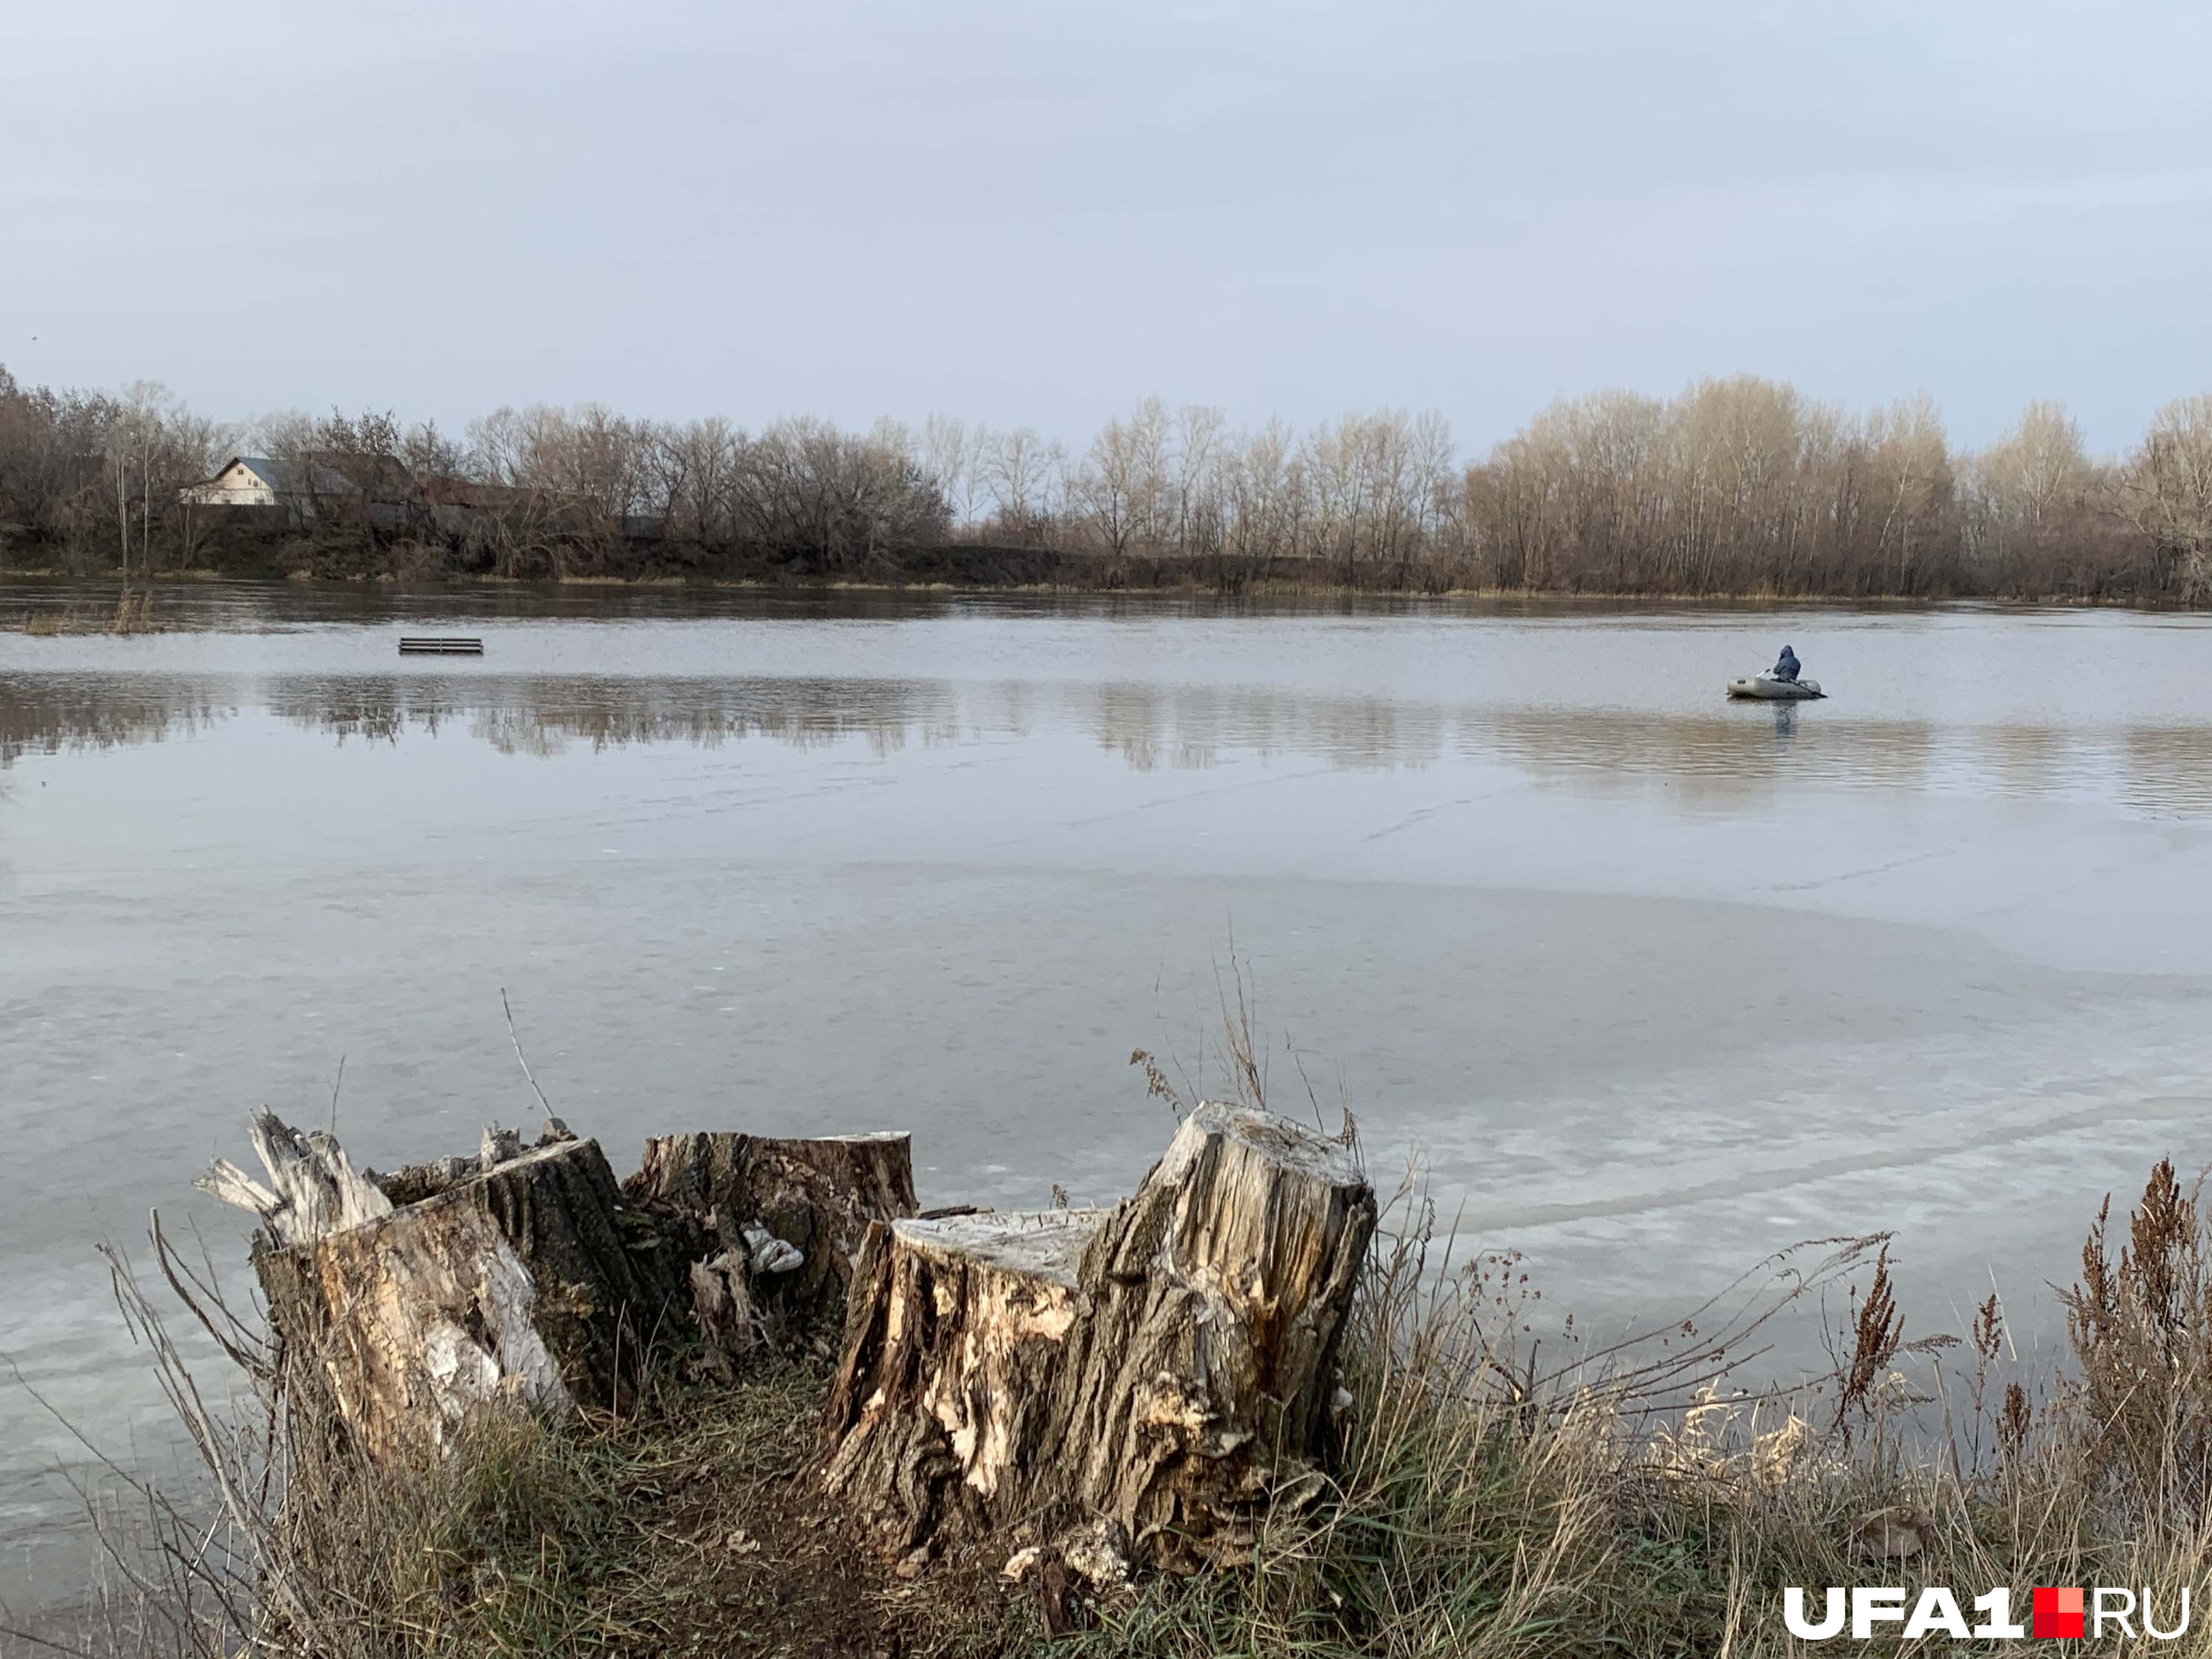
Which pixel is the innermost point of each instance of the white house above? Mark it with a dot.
(257, 481)
(244, 481)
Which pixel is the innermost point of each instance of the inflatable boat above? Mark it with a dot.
(1767, 687)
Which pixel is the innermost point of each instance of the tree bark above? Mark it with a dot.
(736, 1197)
(1169, 1365)
(529, 1282)
(944, 1414)
(1219, 1291)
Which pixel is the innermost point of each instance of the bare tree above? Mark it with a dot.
(947, 456)
(1017, 470)
(2168, 488)
(1106, 489)
(2030, 499)
(430, 452)
(1201, 432)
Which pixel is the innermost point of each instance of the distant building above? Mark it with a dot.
(338, 483)
(242, 481)
(439, 491)
(323, 475)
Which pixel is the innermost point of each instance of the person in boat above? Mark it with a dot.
(1785, 667)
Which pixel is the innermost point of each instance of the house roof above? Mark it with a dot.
(328, 472)
(276, 474)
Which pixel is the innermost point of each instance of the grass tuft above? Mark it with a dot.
(133, 614)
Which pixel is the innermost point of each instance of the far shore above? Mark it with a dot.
(1168, 580)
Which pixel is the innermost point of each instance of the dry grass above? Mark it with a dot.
(1477, 1516)
(2141, 1330)
(133, 614)
(688, 1526)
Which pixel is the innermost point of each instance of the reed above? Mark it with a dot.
(133, 613)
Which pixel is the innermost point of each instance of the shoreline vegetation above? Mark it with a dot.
(1489, 1489)
(131, 613)
(1737, 488)
(1068, 578)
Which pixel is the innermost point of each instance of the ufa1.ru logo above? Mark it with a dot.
(2067, 1613)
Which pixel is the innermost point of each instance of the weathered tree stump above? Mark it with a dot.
(946, 1406)
(313, 1188)
(528, 1281)
(417, 1182)
(774, 1224)
(1167, 1366)
(1219, 1291)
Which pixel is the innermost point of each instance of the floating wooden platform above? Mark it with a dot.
(450, 646)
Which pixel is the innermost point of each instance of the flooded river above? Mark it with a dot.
(1653, 983)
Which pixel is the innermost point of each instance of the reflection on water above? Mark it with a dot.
(47, 714)
(2166, 766)
(2148, 767)
(547, 717)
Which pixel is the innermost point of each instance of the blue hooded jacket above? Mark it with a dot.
(1785, 667)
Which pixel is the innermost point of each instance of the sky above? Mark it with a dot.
(1036, 211)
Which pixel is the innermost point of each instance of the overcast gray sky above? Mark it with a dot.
(1034, 211)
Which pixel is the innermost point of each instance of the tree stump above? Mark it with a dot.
(1168, 1365)
(773, 1225)
(417, 1182)
(1219, 1291)
(529, 1281)
(946, 1406)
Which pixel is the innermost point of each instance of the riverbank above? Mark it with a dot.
(1187, 588)
(955, 569)
(1482, 1500)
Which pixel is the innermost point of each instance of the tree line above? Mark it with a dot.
(1737, 486)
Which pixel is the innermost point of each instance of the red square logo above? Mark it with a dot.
(2056, 1613)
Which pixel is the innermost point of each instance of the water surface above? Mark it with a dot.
(1656, 983)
